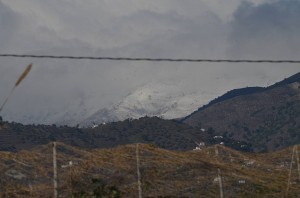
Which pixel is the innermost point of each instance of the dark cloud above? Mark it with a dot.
(269, 30)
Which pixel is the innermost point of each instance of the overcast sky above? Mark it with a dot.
(253, 29)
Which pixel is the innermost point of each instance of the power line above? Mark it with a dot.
(150, 59)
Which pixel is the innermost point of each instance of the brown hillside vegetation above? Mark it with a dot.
(164, 173)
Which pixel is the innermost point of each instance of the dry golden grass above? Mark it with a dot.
(24, 74)
(20, 79)
(164, 173)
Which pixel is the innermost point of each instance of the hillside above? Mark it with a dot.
(164, 173)
(227, 96)
(268, 118)
(247, 91)
(168, 134)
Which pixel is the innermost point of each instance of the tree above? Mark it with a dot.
(99, 190)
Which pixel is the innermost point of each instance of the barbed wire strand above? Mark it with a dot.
(149, 59)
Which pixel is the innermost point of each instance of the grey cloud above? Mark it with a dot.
(8, 24)
(133, 28)
(269, 30)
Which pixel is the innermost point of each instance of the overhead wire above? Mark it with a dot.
(150, 59)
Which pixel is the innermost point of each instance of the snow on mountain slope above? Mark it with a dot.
(167, 99)
(153, 99)
(171, 100)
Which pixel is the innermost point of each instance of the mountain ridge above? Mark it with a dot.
(267, 117)
(246, 91)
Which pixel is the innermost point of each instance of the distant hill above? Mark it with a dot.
(293, 79)
(229, 95)
(164, 173)
(269, 117)
(246, 91)
(168, 134)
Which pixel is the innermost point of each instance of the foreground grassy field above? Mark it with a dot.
(164, 173)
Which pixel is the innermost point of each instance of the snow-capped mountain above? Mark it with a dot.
(152, 99)
(167, 99)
